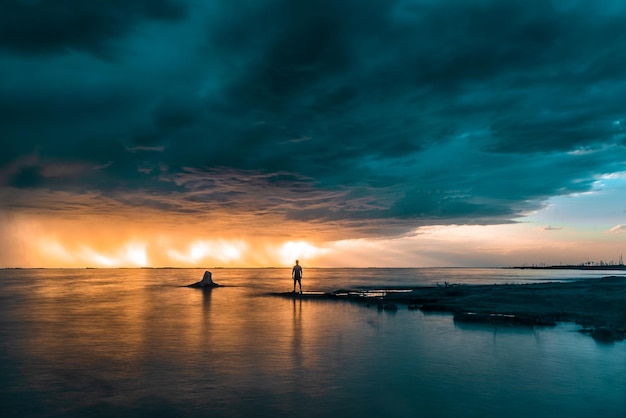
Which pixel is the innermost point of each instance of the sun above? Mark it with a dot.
(136, 254)
(293, 250)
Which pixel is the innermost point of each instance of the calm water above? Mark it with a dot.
(77, 343)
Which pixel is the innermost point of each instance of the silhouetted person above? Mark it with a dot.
(296, 273)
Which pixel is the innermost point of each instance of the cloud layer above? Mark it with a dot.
(350, 119)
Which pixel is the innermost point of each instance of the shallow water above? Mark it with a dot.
(133, 342)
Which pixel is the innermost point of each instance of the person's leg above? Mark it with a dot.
(300, 283)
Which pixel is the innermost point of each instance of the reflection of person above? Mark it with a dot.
(296, 273)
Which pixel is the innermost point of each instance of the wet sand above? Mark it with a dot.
(598, 305)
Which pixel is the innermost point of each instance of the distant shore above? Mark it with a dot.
(598, 305)
(619, 267)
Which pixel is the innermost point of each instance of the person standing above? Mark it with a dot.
(296, 274)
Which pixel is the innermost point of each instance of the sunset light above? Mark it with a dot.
(210, 251)
(293, 250)
(313, 208)
(393, 134)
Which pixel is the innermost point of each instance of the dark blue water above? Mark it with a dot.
(130, 342)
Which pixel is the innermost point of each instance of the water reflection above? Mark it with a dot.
(296, 335)
(133, 342)
(496, 329)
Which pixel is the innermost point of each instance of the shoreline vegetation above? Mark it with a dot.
(598, 305)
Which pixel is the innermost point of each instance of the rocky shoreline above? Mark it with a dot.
(598, 305)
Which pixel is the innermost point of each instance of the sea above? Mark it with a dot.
(136, 342)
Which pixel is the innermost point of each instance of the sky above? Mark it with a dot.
(408, 133)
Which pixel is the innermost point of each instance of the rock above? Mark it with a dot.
(436, 307)
(607, 334)
(206, 282)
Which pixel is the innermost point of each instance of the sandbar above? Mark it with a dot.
(598, 305)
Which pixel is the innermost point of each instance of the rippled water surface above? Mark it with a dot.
(133, 342)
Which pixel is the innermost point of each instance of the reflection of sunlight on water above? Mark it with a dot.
(126, 339)
(369, 293)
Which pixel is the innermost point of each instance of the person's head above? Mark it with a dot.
(297, 261)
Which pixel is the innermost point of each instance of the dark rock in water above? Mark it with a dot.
(607, 334)
(435, 307)
(206, 282)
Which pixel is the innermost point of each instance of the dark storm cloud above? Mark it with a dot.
(49, 27)
(378, 115)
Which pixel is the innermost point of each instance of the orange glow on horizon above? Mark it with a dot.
(42, 242)
(199, 251)
(294, 250)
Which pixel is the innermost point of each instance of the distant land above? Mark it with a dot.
(588, 265)
(575, 267)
